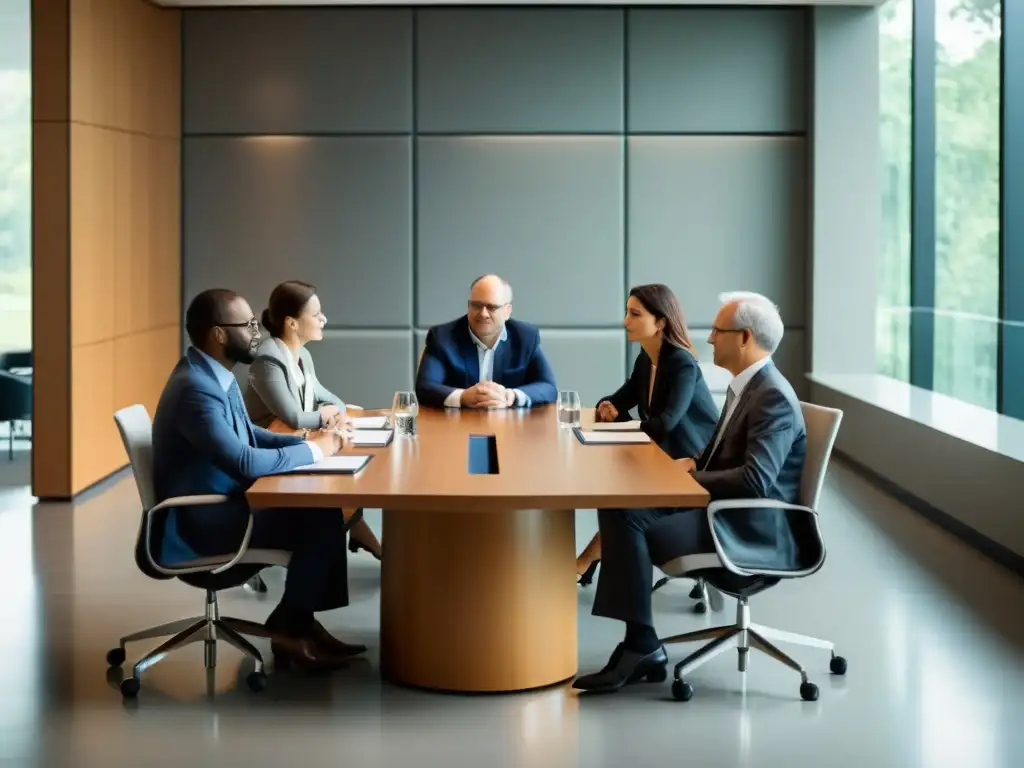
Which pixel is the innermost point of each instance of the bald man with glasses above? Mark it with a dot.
(484, 359)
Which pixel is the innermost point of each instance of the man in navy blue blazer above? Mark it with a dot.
(204, 443)
(484, 359)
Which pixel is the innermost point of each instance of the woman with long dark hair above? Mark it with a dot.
(666, 387)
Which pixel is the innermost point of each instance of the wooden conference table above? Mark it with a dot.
(478, 585)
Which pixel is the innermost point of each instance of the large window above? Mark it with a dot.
(967, 95)
(947, 203)
(15, 177)
(895, 49)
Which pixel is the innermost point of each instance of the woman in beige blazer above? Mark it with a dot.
(283, 383)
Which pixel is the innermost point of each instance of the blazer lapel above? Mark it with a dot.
(737, 415)
(501, 353)
(469, 357)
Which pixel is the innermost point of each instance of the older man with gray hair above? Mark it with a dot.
(757, 451)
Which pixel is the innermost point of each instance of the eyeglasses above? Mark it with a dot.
(479, 306)
(715, 330)
(252, 325)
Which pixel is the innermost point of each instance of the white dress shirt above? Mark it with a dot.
(736, 387)
(225, 378)
(485, 358)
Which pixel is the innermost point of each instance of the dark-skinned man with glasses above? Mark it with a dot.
(204, 443)
(484, 359)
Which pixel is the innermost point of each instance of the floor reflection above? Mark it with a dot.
(936, 665)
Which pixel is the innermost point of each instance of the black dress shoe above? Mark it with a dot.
(624, 668)
(328, 642)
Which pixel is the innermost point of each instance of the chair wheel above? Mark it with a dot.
(682, 691)
(257, 681)
(115, 657)
(838, 665)
(257, 584)
(696, 593)
(657, 675)
(660, 583)
(130, 687)
(808, 692)
(700, 607)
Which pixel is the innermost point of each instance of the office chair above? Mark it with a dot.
(15, 404)
(207, 573)
(720, 572)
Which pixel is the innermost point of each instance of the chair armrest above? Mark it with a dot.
(193, 501)
(190, 501)
(718, 506)
(715, 506)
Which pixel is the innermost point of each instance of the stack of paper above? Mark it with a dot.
(343, 465)
(617, 426)
(590, 437)
(372, 437)
(369, 422)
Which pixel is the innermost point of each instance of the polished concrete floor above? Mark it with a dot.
(934, 635)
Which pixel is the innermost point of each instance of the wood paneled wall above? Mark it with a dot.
(106, 227)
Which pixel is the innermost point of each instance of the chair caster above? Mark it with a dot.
(660, 583)
(808, 692)
(837, 665)
(657, 675)
(257, 681)
(696, 593)
(700, 607)
(130, 687)
(681, 691)
(115, 657)
(257, 584)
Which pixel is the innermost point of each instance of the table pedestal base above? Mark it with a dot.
(479, 601)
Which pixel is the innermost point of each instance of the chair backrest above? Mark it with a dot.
(822, 427)
(136, 430)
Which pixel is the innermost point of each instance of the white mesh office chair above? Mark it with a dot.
(206, 573)
(722, 573)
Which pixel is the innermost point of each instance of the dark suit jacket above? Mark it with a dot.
(760, 456)
(199, 447)
(450, 362)
(681, 415)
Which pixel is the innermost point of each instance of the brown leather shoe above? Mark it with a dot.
(304, 652)
(333, 645)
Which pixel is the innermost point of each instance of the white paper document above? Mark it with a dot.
(371, 437)
(617, 426)
(333, 464)
(590, 436)
(369, 422)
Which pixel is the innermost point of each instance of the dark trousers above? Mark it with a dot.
(318, 569)
(633, 541)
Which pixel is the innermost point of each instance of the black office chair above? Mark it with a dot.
(719, 570)
(15, 404)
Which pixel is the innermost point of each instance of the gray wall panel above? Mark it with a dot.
(393, 229)
(717, 71)
(297, 71)
(536, 70)
(365, 367)
(713, 214)
(333, 211)
(544, 212)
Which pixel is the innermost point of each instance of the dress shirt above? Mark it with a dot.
(485, 357)
(226, 379)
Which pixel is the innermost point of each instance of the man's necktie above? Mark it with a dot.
(730, 398)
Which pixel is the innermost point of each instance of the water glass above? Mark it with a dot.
(403, 412)
(568, 409)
